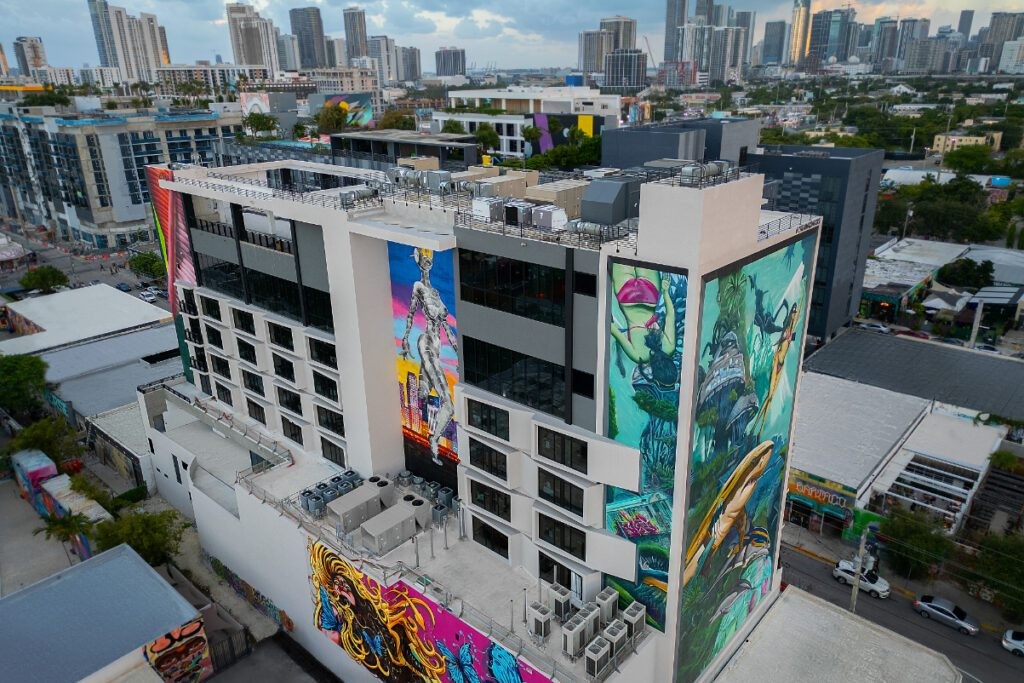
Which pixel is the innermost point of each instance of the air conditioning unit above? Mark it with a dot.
(616, 634)
(635, 618)
(597, 655)
(387, 492)
(304, 499)
(608, 603)
(559, 602)
(438, 514)
(592, 616)
(317, 505)
(573, 632)
(539, 620)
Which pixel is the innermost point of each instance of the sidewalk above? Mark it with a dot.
(829, 550)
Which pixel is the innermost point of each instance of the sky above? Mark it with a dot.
(508, 34)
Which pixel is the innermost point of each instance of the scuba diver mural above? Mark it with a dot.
(645, 351)
(752, 323)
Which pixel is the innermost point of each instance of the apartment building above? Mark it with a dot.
(534, 100)
(216, 77)
(579, 407)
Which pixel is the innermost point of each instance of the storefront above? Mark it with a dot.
(819, 505)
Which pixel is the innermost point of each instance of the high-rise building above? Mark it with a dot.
(308, 29)
(623, 30)
(722, 15)
(384, 50)
(253, 38)
(929, 56)
(30, 54)
(775, 34)
(139, 46)
(336, 52)
(5, 69)
(884, 44)
(289, 53)
(965, 24)
(594, 45)
(355, 32)
(1012, 59)
(675, 16)
(99, 13)
(728, 53)
(747, 20)
(409, 68)
(704, 10)
(1003, 26)
(834, 33)
(800, 31)
(450, 61)
(694, 42)
(910, 30)
(625, 70)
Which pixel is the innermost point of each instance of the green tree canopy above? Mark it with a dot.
(156, 537)
(22, 381)
(331, 120)
(51, 435)
(453, 126)
(487, 137)
(914, 542)
(971, 159)
(966, 272)
(66, 528)
(258, 122)
(148, 264)
(394, 118)
(1000, 562)
(45, 278)
(532, 135)
(576, 136)
(47, 98)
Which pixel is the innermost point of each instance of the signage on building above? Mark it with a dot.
(822, 495)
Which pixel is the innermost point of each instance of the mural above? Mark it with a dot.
(258, 102)
(262, 603)
(645, 346)
(171, 230)
(554, 128)
(752, 321)
(822, 496)
(423, 306)
(359, 106)
(400, 635)
(181, 656)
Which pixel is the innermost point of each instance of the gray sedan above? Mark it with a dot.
(942, 610)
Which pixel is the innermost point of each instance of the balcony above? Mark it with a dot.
(267, 241)
(214, 227)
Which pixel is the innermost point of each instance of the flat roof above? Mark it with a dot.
(980, 381)
(955, 440)
(411, 137)
(998, 296)
(97, 611)
(125, 425)
(89, 357)
(76, 503)
(925, 252)
(895, 274)
(803, 638)
(848, 444)
(109, 388)
(80, 314)
(1008, 263)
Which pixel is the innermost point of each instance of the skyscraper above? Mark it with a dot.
(675, 16)
(384, 50)
(625, 70)
(1004, 26)
(594, 45)
(884, 43)
(966, 21)
(728, 52)
(799, 33)
(30, 53)
(104, 34)
(623, 30)
(910, 30)
(355, 32)
(288, 52)
(335, 52)
(253, 38)
(773, 51)
(705, 9)
(450, 61)
(409, 64)
(747, 20)
(308, 29)
(5, 70)
(833, 34)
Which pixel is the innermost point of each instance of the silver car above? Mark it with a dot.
(942, 610)
(1013, 641)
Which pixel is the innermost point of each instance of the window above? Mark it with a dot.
(256, 411)
(274, 294)
(211, 307)
(332, 451)
(246, 351)
(177, 472)
(524, 379)
(284, 368)
(318, 309)
(584, 283)
(560, 492)
(561, 535)
(289, 400)
(553, 571)
(490, 538)
(330, 420)
(562, 449)
(220, 366)
(222, 276)
(487, 459)
(291, 430)
(204, 383)
(527, 289)
(252, 382)
(243, 321)
(492, 500)
(281, 336)
(582, 384)
(488, 418)
(213, 336)
(323, 353)
(325, 386)
(224, 394)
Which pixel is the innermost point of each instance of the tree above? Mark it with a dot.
(396, 119)
(257, 122)
(532, 135)
(156, 537)
(1000, 564)
(45, 278)
(555, 127)
(148, 264)
(65, 529)
(914, 542)
(299, 131)
(576, 136)
(453, 126)
(22, 381)
(47, 98)
(487, 137)
(966, 272)
(1011, 236)
(53, 436)
(332, 119)
(970, 159)
(891, 213)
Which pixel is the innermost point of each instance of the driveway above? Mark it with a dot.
(24, 558)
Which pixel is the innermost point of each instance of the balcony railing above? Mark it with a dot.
(791, 221)
(267, 241)
(215, 227)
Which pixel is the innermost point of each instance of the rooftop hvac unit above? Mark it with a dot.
(445, 495)
(417, 483)
(421, 509)
(635, 618)
(538, 620)
(387, 492)
(592, 616)
(350, 475)
(478, 189)
(337, 479)
(491, 209)
(438, 513)
(616, 635)
(330, 493)
(343, 488)
(304, 499)
(519, 213)
(559, 601)
(438, 182)
(405, 478)
(456, 504)
(432, 489)
(374, 479)
(600, 172)
(550, 217)
(322, 486)
(316, 505)
(573, 632)
(608, 603)
(597, 656)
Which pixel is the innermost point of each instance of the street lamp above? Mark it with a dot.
(906, 219)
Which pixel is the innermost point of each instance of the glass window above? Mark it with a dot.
(318, 309)
(488, 418)
(220, 366)
(204, 383)
(562, 449)
(256, 411)
(291, 430)
(332, 451)
(553, 571)
(284, 368)
(246, 351)
(487, 459)
(560, 492)
(527, 289)
(561, 535)
(222, 276)
(243, 321)
(274, 294)
(582, 384)
(490, 538)
(213, 336)
(584, 283)
(330, 420)
(211, 307)
(224, 394)
(494, 501)
(289, 400)
(524, 379)
(281, 336)
(252, 382)
(323, 352)
(325, 386)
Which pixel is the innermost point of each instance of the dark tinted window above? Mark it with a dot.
(243, 321)
(583, 383)
(220, 366)
(488, 418)
(281, 336)
(560, 492)
(284, 368)
(291, 430)
(289, 400)
(204, 383)
(490, 538)
(318, 309)
(332, 451)
(330, 420)
(494, 501)
(252, 382)
(527, 289)
(524, 379)
(211, 307)
(488, 459)
(323, 353)
(222, 276)
(562, 449)
(959, 613)
(214, 336)
(224, 394)
(256, 411)
(325, 386)
(274, 294)
(246, 351)
(584, 283)
(561, 535)
(553, 571)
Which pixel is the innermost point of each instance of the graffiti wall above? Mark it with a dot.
(400, 635)
(824, 497)
(554, 128)
(358, 106)
(262, 603)
(752, 321)
(255, 102)
(183, 655)
(648, 314)
(423, 306)
(169, 215)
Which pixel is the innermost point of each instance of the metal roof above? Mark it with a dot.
(124, 349)
(980, 381)
(998, 296)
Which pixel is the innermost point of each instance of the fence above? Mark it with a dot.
(792, 221)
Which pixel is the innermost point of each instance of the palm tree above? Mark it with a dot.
(65, 529)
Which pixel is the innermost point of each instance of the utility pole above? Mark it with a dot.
(913, 135)
(906, 219)
(858, 567)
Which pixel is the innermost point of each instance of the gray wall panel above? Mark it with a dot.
(268, 261)
(312, 256)
(214, 245)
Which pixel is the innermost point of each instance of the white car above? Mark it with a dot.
(1013, 641)
(876, 586)
(875, 327)
(147, 296)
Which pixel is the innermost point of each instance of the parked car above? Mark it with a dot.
(913, 333)
(952, 341)
(1013, 641)
(162, 293)
(123, 286)
(987, 348)
(944, 611)
(845, 571)
(875, 327)
(147, 296)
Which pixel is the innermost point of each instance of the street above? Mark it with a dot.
(980, 658)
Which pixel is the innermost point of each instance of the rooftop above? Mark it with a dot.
(97, 611)
(410, 137)
(980, 381)
(834, 444)
(125, 425)
(1009, 263)
(924, 252)
(518, 91)
(817, 152)
(998, 296)
(78, 315)
(76, 503)
(896, 275)
(955, 440)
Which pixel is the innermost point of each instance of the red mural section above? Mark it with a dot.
(169, 215)
(181, 656)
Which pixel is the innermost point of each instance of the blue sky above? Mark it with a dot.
(513, 33)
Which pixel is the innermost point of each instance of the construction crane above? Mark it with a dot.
(650, 53)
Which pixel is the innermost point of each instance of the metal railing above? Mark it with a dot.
(579, 240)
(267, 241)
(215, 228)
(263, 192)
(792, 221)
(162, 383)
(703, 180)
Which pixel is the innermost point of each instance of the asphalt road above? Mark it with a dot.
(980, 658)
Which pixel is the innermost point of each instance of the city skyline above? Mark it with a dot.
(538, 34)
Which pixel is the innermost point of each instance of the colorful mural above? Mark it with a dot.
(824, 497)
(169, 215)
(554, 129)
(648, 315)
(752, 321)
(400, 635)
(358, 105)
(423, 306)
(258, 600)
(181, 656)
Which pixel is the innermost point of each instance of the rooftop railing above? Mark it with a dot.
(791, 221)
(580, 240)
